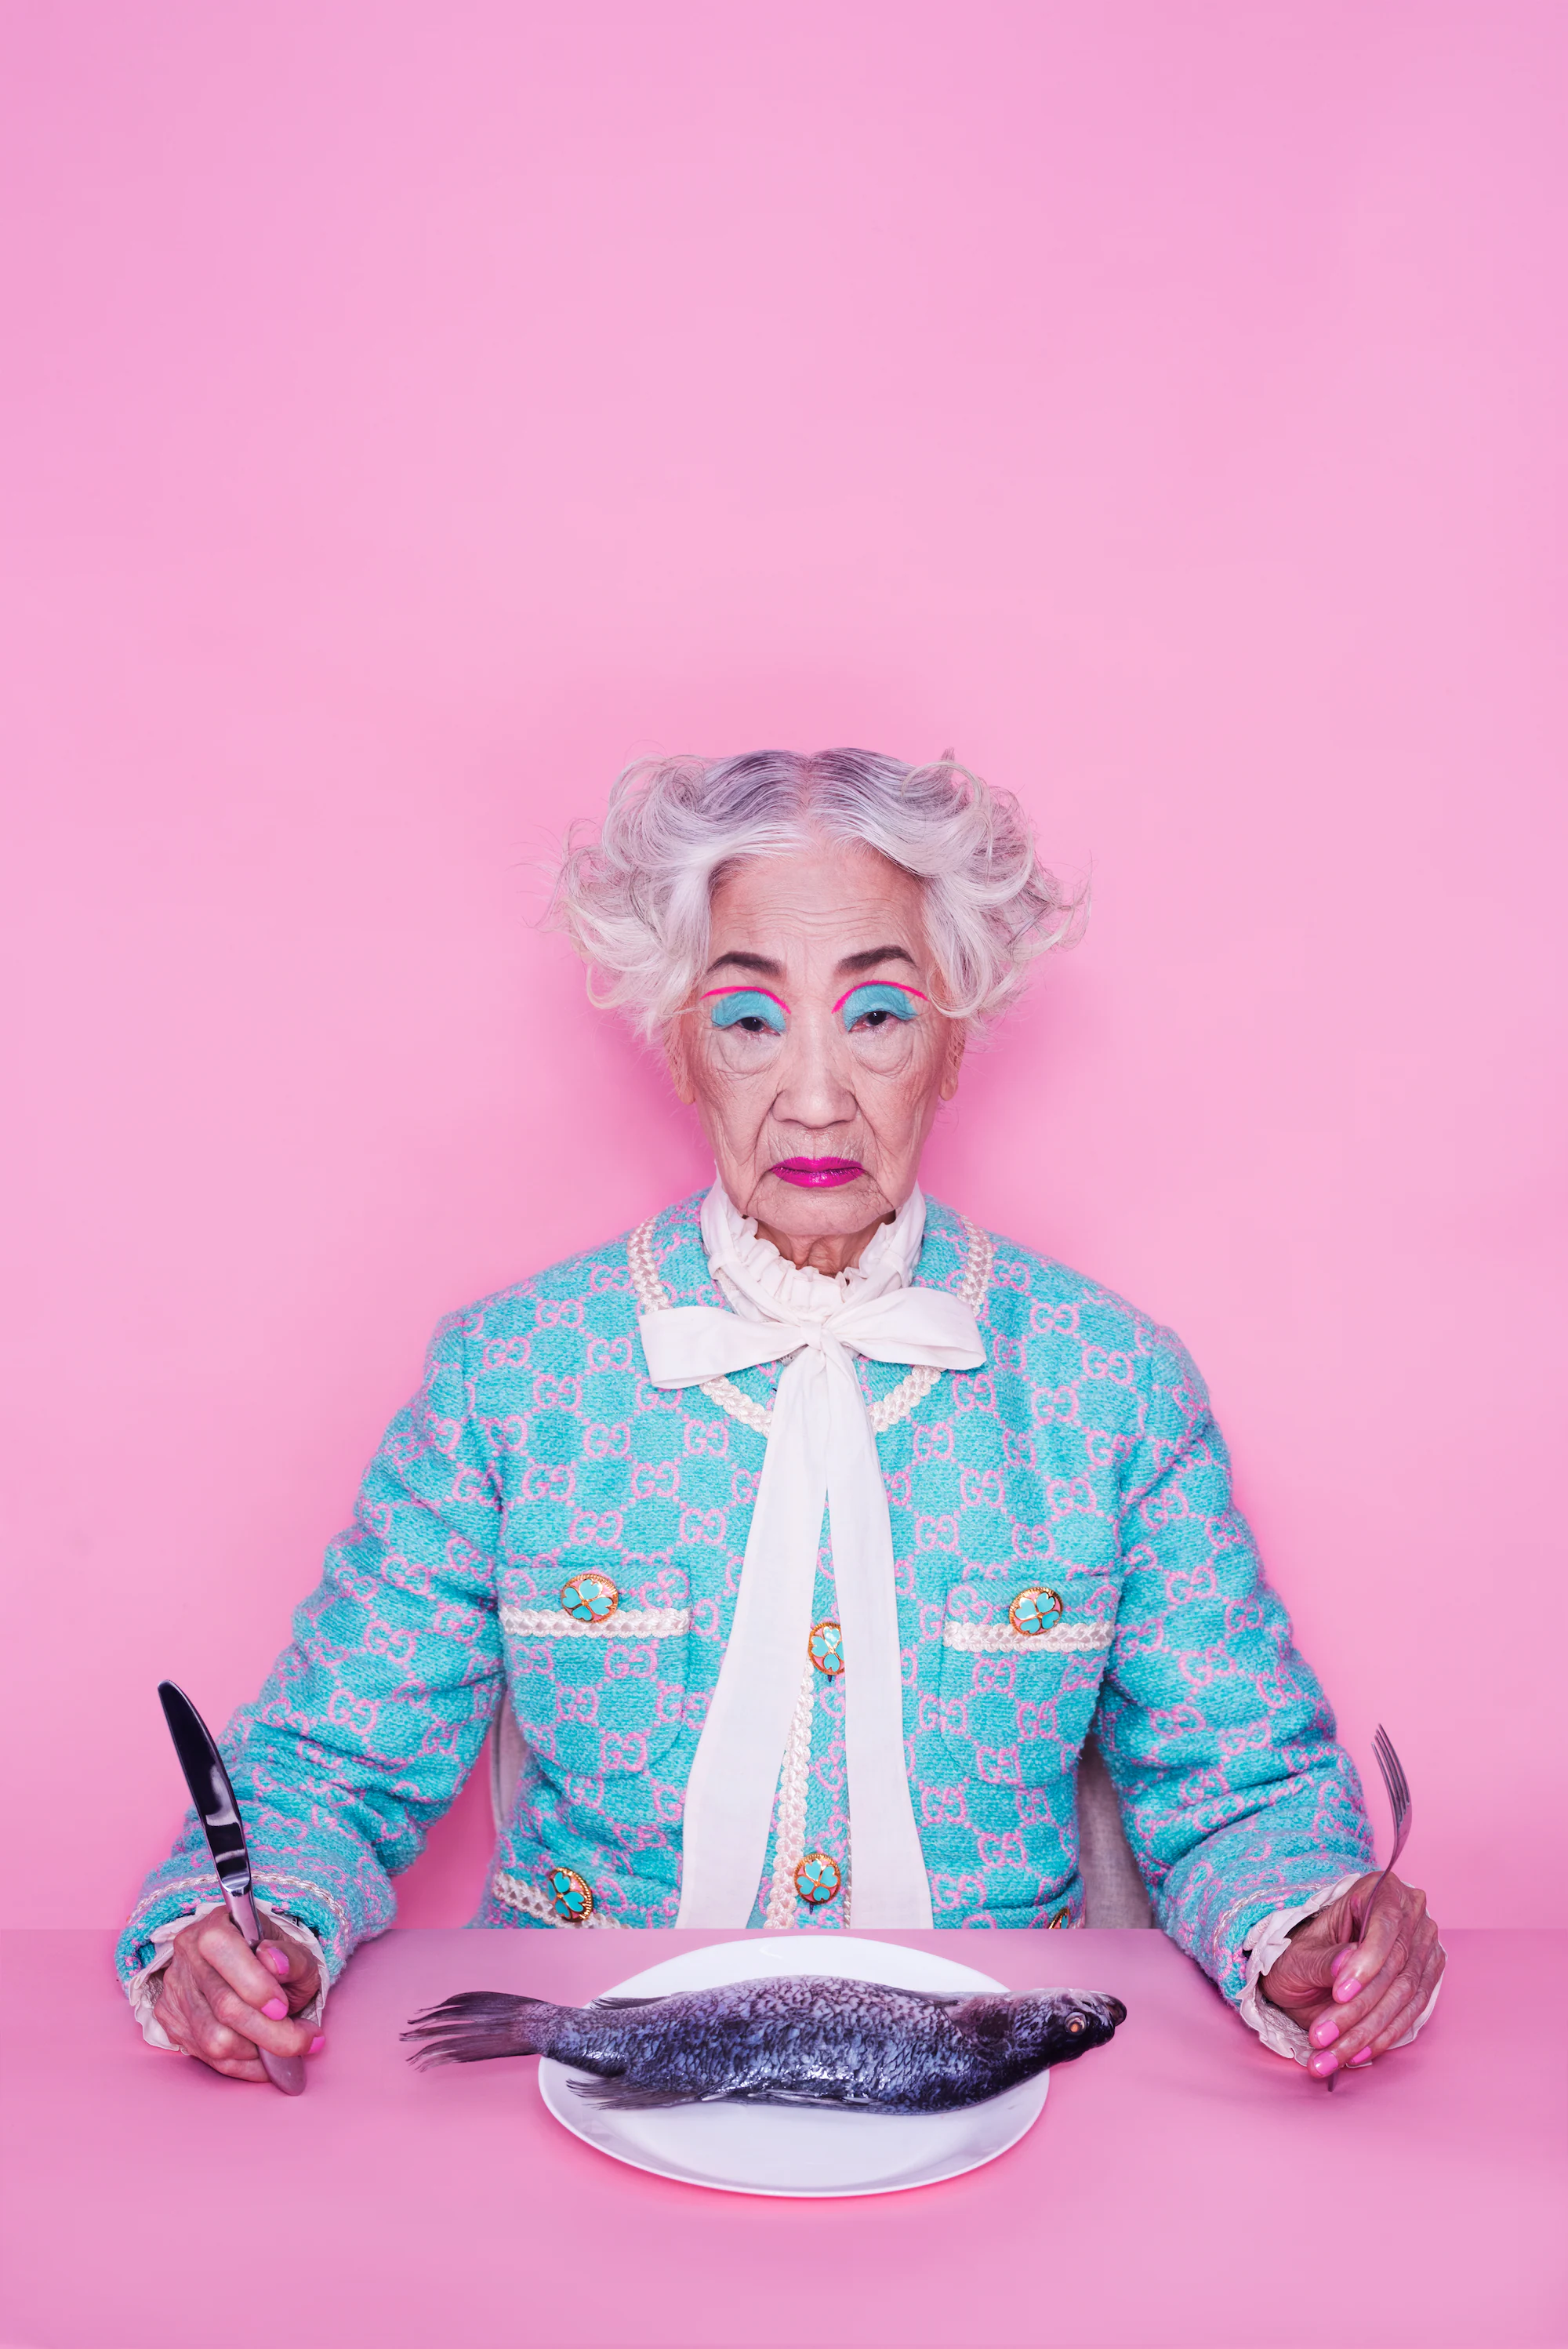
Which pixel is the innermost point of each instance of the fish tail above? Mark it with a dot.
(478, 2023)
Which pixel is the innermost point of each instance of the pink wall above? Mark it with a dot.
(413, 410)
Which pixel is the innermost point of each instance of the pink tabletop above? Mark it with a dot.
(1182, 2188)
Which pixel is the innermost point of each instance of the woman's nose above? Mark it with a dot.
(812, 1091)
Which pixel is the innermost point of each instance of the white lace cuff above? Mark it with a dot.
(142, 1987)
(1263, 1948)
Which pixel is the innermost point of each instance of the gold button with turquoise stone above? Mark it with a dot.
(826, 1647)
(817, 1877)
(1034, 1611)
(590, 1597)
(571, 1895)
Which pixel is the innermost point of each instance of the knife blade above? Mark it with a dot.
(220, 1823)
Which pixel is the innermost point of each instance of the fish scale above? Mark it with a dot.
(813, 2039)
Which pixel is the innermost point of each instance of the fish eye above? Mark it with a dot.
(1076, 2025)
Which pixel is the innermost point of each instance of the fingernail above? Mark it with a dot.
(1346, 1990)
(275, 2009)
(318, 2043)
(1365, 2056)
(270, 1955)
(1321, 2066)
(1325, 2031)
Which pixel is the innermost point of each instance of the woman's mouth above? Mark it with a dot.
(818, 1174)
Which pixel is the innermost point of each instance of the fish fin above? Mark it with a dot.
(619, 2094)
(477, 2024)
(656, 1998)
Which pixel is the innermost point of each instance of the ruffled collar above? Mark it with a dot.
(763, 1286)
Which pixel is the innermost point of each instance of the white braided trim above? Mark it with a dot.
(1001, 1639)
(271, 1878)
(516, 1892)
(277, 1880)
(743, 1407)
(783, 1907)
(900, 1400)
(625, 1623)
(653, 1298)
(652, 1294)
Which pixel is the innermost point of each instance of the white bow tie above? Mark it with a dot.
(820, 1449)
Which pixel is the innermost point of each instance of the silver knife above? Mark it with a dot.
(220, 1815)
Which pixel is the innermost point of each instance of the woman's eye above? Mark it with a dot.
(869, 1008)
(749, 1008)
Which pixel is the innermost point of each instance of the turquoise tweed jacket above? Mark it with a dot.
(1083, 1458)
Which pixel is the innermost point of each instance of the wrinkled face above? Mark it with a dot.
(812, 1049)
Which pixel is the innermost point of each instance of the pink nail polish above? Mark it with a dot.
(1365, 2056)
(270, 1955)
(317, 2044)
(1325, 2031)
(275, 2009)
(1346, 1990)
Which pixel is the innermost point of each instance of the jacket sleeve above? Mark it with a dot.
(371, 1719)
(1237, 1799)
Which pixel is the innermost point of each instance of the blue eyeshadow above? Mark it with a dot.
(749, 1003)
(878, 996)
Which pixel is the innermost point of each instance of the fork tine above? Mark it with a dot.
(1401, 1784)
(1389, 1763)
(1398, 1787)
(1401, 1797)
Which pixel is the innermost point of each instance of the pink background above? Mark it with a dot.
(413, 412)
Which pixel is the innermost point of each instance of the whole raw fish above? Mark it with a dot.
(792, 2039)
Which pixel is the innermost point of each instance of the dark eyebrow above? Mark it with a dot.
(762, 965)
(873, 956)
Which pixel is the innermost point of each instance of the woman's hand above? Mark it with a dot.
(1357, 1997)
(220, 2002)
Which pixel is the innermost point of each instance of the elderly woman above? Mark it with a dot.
(809, 1532)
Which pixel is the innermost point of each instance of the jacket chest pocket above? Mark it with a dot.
(1021, 1682)
(599, 1688)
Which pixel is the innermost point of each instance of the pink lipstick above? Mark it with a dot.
(819, 1174)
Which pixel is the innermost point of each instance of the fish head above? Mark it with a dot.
(1048, 2026)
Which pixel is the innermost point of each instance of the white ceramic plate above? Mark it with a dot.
(792, 2149)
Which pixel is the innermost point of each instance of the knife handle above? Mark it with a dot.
(286, 2073)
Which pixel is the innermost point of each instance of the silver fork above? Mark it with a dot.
(1397, 1788)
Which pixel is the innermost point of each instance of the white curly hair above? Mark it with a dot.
(634, 895)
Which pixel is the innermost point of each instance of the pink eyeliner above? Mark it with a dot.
(767, 991)
(902, 984)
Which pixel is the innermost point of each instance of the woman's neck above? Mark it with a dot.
(831, 1255)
